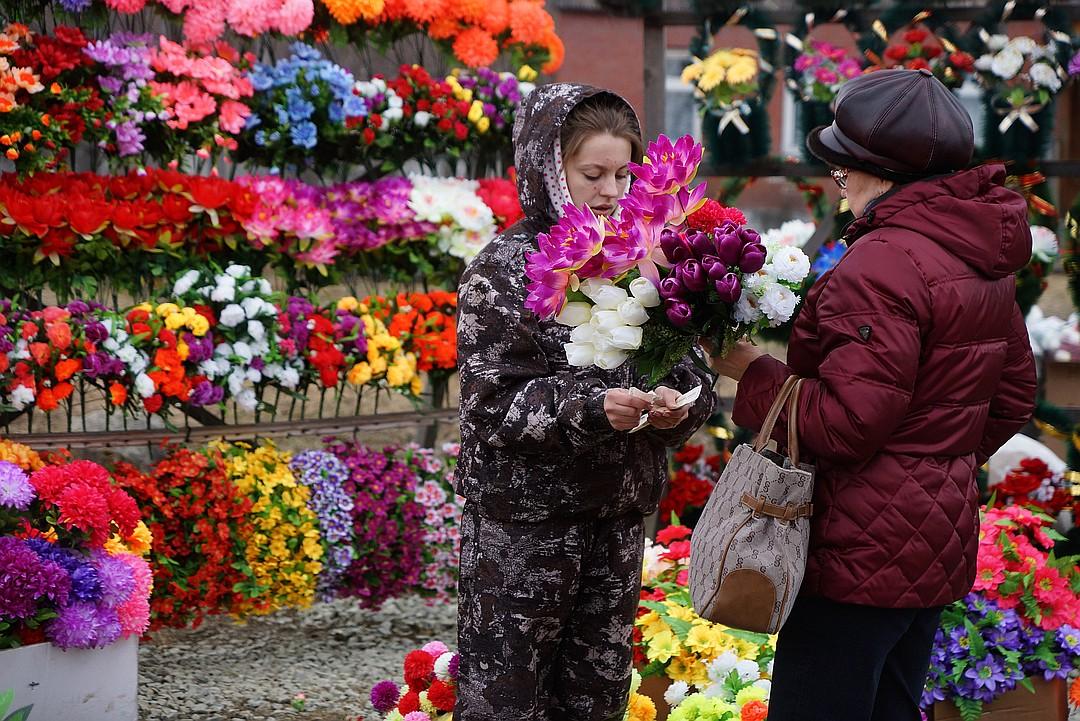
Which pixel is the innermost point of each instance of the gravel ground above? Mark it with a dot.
(333, 653)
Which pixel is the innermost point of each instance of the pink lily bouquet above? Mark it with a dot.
(668, 269)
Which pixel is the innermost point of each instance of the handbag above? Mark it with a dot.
(748, 550)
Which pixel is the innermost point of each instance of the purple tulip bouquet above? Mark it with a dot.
(666, 270)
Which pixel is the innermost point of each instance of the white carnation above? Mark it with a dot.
(748, 670)
(746, 309)
(984, 63)
(246, 399)
(243, 351)
(232, 315)
(421, 119)
(290, 378)
(997, 42)
(1007, 63)
(778, 304)
(256, 330)
(144, 385)
(238, 271)
(721, 666)
(21, 397)
(223, 294)
(676, 693)
(1043, 75)
(185, 282)
(442, 666)
(1044, 244)
(1023, 44)
(253, 307)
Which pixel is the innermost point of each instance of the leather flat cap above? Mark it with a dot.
(897, 124)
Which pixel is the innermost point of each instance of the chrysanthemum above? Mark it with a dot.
(15, 489)
(25, 577)
(556, 53)
(476, 48)
(384, 696)
(470, 12)
(76, 626)
(204, 22)
(496, 17)
(529, 22)
(295, 16)
(126, 6)
(85, 508)
(424, 11)
(347, 12)
(117, 580)
(443, 28)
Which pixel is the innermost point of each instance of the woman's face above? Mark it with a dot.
(862, 188)
(597, 174)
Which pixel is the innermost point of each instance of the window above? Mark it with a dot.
(681, 114)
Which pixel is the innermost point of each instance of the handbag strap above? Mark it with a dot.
(792, 424)
(774, 413)
(787, 514)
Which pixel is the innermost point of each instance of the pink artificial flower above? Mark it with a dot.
(252, 17)
(295, 16)
(826, 76)
(126, 6)
(177, 6)
(849, 68)
(233, 115)
(686, 202)
(189, 104)
(668, 167)
(320, 254)
(547, 291)
(575, 239)
(805, 62)
(991, 572)
(204, 22)
(631, 243)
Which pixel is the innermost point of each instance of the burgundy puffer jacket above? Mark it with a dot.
(920, 369)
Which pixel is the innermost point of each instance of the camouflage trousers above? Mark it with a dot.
(545, 617)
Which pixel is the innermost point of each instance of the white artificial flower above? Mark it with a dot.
(246, 399)
(364, 87)
(223, 366)
(248, 286)
(111, 345)
(290, 378)
(606, 320)
(237, 382)
(253, 307)
(232, 315)
(393, 114)
(627, 337)
(721, 666)
(632, 312)
(1007, 63)
(238, 271)
(1024, 45)
(223, 294)
(609, 297)
(139, 364)
(789, 264)
(256, 330)
(602, 341)
(209, 368)
(225, 279)
(1044, 244)
(260, 348)
(610, 359)
(997, 42)
(21, 397)
(645, 292)
(748, 670)
(264, 286)
(791, 233)
(394, 101)
(574, 314)
(127, 353)
(984, 63)
(223, 350)
(379, 84)
(746, 308)
(144, 385)
(185, 282)
(526, 88)
(765, 684)
(580, 355)
(769, 667)
(583, 334)
(243, 351)
(1045, 76)
(253, 375)
(591, 286)
(653, 562)
(442, 666)
(778, 304)
(421, 119)
(206, 291)
(676, 693)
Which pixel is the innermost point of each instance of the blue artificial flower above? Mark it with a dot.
(1069, 638)
(354, 106)
(298, 107)
(828, 257)
(305, 134)
(262, 78)
(274, 136)
(336, 112)
(282, 115)
(253, 121)
(260, 137)
(303, 51)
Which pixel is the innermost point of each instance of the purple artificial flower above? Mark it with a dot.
(129, 139)
(679, 314)
(85, 585)
(96, 332)
(26, 579)
(116, 578)
(752, 258)
(385, 696)
(986, 673)
(206, 394)
(1069, 639)
(455, 664)
(75, 626)
(728, 246)
(326, 475)
(675, 246)
(78, 307)
(199, 349)
(1074, 64)
(15, 489)
(729, 288)
(692, 275)
(671, 288)
(75, 6)
(714, 267)
(702, 243)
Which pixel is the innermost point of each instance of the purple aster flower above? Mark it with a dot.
(75, 6)
(986, 674)
(326, 475)
(26, 579)
(1069, 638)
(15, 489)
(85, 585)
(76, 626)
(384, 696)
(1074, 64)
(206, 394)
(78, 307)
(117, 580)
(455, 664)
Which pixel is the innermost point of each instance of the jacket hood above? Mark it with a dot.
(971, 214)
(539, 121)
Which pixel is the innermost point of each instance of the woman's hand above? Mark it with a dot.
(662, 414)
(623, 409)
(734, 364)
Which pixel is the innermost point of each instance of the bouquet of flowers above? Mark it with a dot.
(822, 68)
(71, 566)
(1021, 76)
(325, 475)
(494, 98)
(663, 274)
(690, 482)
(300, 111)
(430, 689)
(1034, 485)
(920, 49)
(282, 557)
(442, 517)
(723, 82)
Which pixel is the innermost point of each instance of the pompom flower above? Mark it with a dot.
(116, 578)
(419, 669)
(476, 48)
(435, 648)
(385, 696)
(15, 489)
(530, 23)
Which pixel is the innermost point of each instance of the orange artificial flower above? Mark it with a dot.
(529, 23)
(67, 368)
(556, 51)
(424, 11)
(46, 400)
(754, 711)
(7, 104)
(40, 352)
(443, 28)
(497, 17)
(117, 394)
(476, 48)
(59, 335)
(470, 12)
(12, 154)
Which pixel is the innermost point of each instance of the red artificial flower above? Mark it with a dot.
(117, 394)
(689, 453)
(89, 217)
(918, 64)
(962, 61)
(677, 551)
(49, 482)
(84, 507)
(419, 670)
(67, 368)
(153, 403)
(409, 702)
(672, 533)
(754, 711)
(442, 696)
(40, 353)
(124, 510)
(897, 52)
(712, 214)
(916, 35)
(932, 51)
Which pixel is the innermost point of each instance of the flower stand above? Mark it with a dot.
(739, 135)
(810, 114)
(75, 685)
(655, 687)
(1046, 704)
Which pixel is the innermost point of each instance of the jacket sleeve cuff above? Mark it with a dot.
(595, 419)
(757, 391)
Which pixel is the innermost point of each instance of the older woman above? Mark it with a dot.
(918, 368)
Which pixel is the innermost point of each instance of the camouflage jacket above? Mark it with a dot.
(535, 441)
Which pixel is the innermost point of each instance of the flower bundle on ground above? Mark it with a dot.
(442, 517)
(430, 688)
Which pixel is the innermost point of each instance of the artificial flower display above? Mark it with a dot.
(442, 517)
(649, 284)
(821, 69)
(690, 481)
(430, 688)
(723, 82)
(71, 565)
(919, 49)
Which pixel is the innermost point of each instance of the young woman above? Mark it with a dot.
(557, 489)
(919, 368)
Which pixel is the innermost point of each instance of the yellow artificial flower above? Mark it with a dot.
(182, 349)
(378, 366)
(476, 111)
(683, 613)
(711, 78)
(22, 456)
(174, 321)
(693, 71)
(706, 638)
(348, 304)
(144, 307)
(689, 669)
(527, 74)
(662, 646)
(748, 694)
(359, 374)
(416, 387)
(641, 708)
(483, 125)
(199, 326)
(395, 376)
(742, 72)
(167, 309)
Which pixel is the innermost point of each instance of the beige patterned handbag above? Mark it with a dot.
(748, 551)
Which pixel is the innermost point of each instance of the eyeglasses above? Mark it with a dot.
(839, 176)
